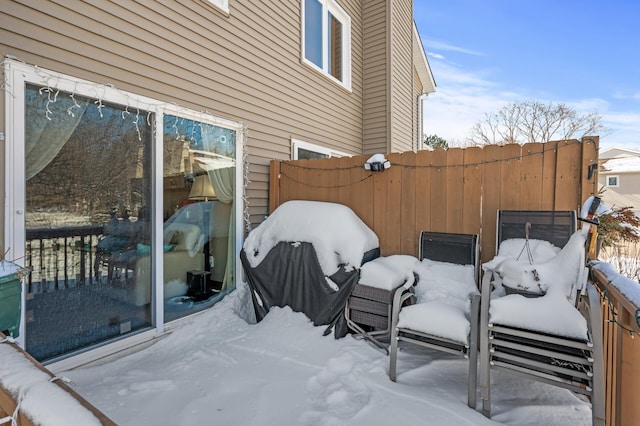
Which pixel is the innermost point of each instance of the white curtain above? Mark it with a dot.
(223, 181)
(50, 120)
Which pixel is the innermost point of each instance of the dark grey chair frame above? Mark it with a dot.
(568, 363)
(462, 249)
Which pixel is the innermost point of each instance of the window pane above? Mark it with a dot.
(313, 31)
(305, 154)
(335, 47)
(88, 177)
(199, 187)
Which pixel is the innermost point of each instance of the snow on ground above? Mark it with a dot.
(220, 368)
(217, 368)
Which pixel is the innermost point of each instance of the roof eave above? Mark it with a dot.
(421, 64)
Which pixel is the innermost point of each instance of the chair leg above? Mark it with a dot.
(473, 353)
(597, 394)
(393, 354)
(485, 372)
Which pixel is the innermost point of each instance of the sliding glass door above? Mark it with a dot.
(87, 192)
(122, 208)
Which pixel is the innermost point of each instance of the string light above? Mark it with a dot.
(50, 80)
(442, 166)
(614, 314)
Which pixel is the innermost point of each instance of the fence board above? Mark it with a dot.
(344, 180)
(531, 176)
(589, 157)
(356, 188)
(408, 235)
(455, 190)
(568, 166)
(423, 191)
(380, 211)
(392, 218)
(439, 191)
(472, 190)
(549, 175)
(274, 176)
(510, 188)
(490, 199)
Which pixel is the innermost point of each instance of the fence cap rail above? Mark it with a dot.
(625, 295)
(9, 401)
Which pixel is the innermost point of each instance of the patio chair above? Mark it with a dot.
(420, 324)
(368, 311)
(561, 346)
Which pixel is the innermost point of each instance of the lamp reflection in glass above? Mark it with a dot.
(202, 190)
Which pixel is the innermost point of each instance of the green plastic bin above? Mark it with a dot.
(10, 298)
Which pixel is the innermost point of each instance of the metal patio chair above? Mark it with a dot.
(572, 362)
(458, 249)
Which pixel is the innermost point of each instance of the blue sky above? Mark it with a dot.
(485, 54)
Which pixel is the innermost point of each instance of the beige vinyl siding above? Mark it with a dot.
(245, 66)
(402, 138)
(625, 195)
(375, 96)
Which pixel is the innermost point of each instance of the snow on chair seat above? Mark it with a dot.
(368, 308)
(445, 315)
(549, 333)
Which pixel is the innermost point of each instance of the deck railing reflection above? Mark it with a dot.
(60, 258)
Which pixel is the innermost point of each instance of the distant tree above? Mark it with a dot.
(533, 121)
(435, 141)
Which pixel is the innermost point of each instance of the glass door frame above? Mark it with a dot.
(17, 75)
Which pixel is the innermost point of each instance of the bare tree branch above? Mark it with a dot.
(534, 121)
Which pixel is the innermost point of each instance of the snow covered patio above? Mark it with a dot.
(218, 369)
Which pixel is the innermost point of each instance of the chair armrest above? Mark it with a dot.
(400, 296)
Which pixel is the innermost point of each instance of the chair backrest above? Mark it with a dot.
(461, 249)
(555, 227)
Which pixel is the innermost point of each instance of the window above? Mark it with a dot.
(326, 39)
(221, 4)
(613, 181)
(301, 150)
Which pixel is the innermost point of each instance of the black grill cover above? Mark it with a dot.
(290, 275)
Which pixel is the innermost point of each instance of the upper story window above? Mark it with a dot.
(301, 150)
(326, 39)
(221, 4)
(613, 180)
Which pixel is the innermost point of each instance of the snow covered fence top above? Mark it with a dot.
(338, 235)
(629, 288)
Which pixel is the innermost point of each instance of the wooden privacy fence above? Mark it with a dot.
(454, 190)
(621, 352)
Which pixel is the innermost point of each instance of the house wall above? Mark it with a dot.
(625, 195)
(245, 66)
(390, 88)
(402, 135)
(376, 75)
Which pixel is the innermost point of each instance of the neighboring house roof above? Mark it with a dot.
(622, 165)
(618, 153)
(422, 64)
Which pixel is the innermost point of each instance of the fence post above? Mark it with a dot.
(274, 185)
